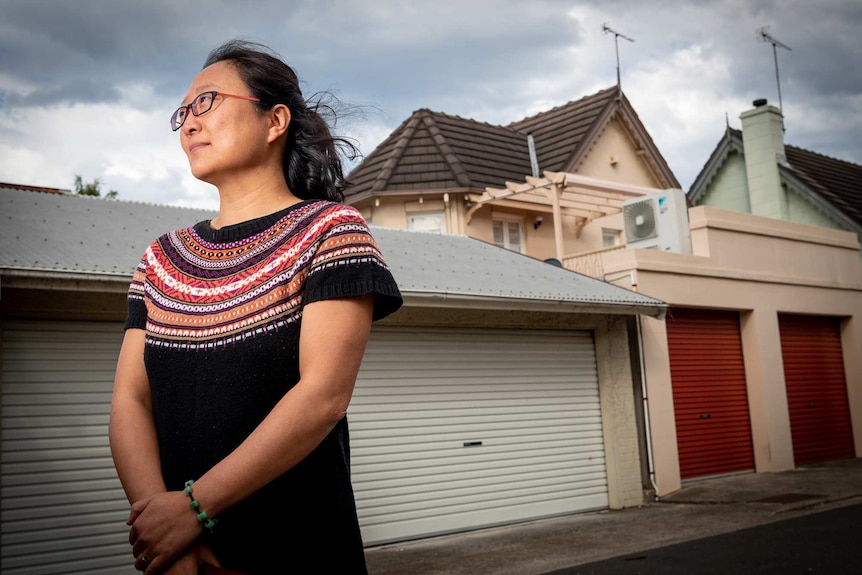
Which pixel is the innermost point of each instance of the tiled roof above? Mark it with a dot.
(434, 151)
(838, 181)
(73, 236)
(560, 133)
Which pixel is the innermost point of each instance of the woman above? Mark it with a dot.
(244, 337)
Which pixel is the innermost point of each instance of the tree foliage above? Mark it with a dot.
(93, 188)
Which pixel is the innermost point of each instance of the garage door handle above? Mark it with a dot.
(812, 405)
(705, 415)
(472, 443)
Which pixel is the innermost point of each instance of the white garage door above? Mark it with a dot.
(453, 429)
(63, 510)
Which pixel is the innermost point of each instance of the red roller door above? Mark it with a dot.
(816, 388)
(709, 393)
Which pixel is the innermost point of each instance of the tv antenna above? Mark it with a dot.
(764, 36)
(617, 35)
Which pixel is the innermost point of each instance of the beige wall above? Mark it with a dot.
(613, 158)
(388, 214)
(619, 423)
(760, 267)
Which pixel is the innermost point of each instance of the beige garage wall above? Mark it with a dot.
(760, 268)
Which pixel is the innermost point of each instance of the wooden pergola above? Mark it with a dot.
(561, 194)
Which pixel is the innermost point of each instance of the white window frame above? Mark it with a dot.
(505, 220)
(611, 237)
(414, 218)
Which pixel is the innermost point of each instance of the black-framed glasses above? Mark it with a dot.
(202, 104)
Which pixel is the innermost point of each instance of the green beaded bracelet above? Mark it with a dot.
(209, 524)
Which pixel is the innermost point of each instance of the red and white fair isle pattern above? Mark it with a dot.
(203, 295)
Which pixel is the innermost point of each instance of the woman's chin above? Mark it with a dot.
(203, 175)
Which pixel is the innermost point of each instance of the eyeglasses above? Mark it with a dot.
(202, 104)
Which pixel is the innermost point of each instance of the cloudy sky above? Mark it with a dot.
(87, 87)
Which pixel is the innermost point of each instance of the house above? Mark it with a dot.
(755, 172)
(433, 172)
(757, 366)
(758, 363)
(502, 391)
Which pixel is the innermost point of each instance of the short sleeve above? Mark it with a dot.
(348, 263)
(137, 314)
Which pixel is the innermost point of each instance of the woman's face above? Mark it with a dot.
(229, 139)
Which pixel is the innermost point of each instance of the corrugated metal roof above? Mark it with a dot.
(461, 266)
(82, 234)
(52, 234)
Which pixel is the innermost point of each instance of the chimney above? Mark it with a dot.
(763, 142)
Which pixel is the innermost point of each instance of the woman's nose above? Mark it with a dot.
(191, 125)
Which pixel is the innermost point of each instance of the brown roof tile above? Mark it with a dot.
(838, 181)
(560, 132)
(433, 150)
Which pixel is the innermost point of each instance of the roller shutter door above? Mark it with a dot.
(453, 429)
(63, 510)
(710, 398)
(816, 388)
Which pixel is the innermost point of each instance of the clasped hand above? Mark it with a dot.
(163, 527)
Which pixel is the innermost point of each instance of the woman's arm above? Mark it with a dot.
(332, 341)
(131, 430)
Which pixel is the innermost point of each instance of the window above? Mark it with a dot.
(509, 234)
(610, 238)
(433, 222)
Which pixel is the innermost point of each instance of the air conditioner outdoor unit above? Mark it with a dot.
(658, 221)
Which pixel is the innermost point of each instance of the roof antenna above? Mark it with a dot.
(764, 36)
(608, 30)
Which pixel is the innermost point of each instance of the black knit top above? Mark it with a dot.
(222, 310)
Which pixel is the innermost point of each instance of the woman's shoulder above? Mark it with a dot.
(337, 211)
(328, 217)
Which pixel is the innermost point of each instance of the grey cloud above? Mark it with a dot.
(106, 44)
(487, 59)
(74, 90)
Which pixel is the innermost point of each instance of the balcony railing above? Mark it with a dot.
(590, 263)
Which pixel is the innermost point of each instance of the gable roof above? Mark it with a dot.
(432, 150)
(834, 185)
(436, 151)
(67, 236)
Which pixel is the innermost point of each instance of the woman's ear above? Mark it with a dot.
(279, 120)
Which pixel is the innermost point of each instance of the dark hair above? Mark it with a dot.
(311, 163)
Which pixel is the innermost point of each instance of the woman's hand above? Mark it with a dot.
(163, 528)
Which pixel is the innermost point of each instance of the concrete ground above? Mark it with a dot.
(821, 543)
(700, 509)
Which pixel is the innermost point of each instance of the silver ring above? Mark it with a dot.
(144, 559)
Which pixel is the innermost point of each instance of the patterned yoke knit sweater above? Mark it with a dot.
(222, 310)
